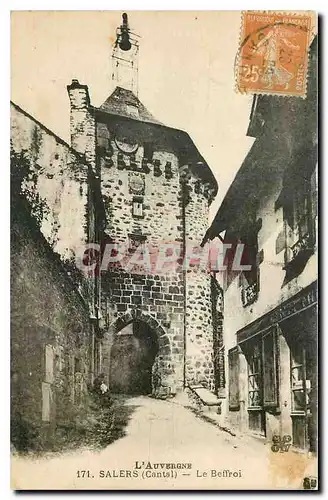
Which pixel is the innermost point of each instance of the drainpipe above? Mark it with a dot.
(184, 273)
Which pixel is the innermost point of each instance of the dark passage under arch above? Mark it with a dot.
(132, 357)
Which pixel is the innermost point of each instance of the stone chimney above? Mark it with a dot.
(82, 122)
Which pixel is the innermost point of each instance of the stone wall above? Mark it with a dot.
(199, 330)
(50, 339)
(56, 182)
(196, 209)
(198, 306)
(162, 212)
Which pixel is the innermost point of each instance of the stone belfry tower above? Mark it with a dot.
(156, 335)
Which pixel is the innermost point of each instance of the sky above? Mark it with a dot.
(186, 74)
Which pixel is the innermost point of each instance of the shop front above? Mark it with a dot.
(273, 373)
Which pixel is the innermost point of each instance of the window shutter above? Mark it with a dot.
(270, 372)
(233, 359)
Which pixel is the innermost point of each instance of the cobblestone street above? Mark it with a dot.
(162, 432)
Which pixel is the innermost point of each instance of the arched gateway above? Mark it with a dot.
(139, 356)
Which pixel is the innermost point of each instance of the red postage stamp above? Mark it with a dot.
(273, 53)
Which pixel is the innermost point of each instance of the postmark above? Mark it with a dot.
(273, 53)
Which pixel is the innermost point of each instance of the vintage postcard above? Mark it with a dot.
(164, 250)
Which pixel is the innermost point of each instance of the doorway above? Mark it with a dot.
(132, 357)
(256, 413)
(301, 335)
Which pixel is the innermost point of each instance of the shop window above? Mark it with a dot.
(262, 371)
(233, 361)
(298, 378)
(255, 383)
(298, 393)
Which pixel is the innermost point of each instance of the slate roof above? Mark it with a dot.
(118, 104)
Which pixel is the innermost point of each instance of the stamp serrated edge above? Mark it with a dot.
(311, 35)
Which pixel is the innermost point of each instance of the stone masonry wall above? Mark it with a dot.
(50, 341)
(199, 327)
(199, 330)
(56, 183)
(162, 213)
(54, 179)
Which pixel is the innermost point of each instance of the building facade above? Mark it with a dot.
(270, 310)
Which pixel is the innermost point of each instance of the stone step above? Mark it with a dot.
(206, 398)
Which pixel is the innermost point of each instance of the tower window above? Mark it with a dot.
(148, 151)
(137, 206)
(132, 110)
(168, 170)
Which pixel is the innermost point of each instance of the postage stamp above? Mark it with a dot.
(273, 53)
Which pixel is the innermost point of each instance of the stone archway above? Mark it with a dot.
(139, 355)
